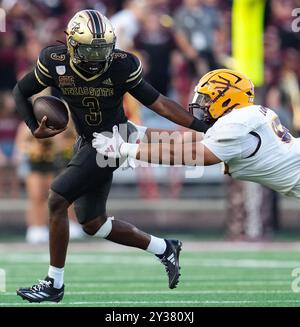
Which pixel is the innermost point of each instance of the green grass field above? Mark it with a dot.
(97, 276)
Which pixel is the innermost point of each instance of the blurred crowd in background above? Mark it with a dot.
(177, 40)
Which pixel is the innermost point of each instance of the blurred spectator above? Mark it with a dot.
(195, 25)
(9, 122)
(277, 100)
(281, 17)
(155, 42)
(289, 84)
(39, 155)
(127, 23)
(7, 61)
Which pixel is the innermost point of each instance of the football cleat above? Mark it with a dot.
(43, 291)
(170, 259)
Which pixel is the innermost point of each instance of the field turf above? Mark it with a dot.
(214, 275)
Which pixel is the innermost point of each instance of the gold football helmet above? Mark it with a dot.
(219, 91)
(91, 41)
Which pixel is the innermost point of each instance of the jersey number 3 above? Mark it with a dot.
(94, 117)
(282, 132)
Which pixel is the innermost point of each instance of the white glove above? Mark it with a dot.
(107, 146)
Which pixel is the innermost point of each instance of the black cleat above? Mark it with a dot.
(43, 291)
(170, 259)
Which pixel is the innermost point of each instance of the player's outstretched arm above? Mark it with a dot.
(158, 135)
(26, 88)
(173, 111)
(151, 98)
(191, 154)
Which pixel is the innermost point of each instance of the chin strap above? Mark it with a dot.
(102, 70)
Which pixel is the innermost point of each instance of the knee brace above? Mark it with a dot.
(106, 228)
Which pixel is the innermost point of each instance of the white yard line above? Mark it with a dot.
(175, 293)
(262, 302)
(109, 285)
(146, 260)
(100, 245)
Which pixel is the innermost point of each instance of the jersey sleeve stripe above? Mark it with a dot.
(137, 83)
(42, 66)
(39, 80)
(135, 72)
(133, 78)
(40, 70)
(137, 75)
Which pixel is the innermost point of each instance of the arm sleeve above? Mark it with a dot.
(144, 93)
(24, 89)
(137, 86)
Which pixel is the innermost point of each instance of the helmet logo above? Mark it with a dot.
(226, 85)
(75, 27)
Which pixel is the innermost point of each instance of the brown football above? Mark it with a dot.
(55, 110)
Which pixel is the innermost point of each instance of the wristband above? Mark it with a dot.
(129, 150)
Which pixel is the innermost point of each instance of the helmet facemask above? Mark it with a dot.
(199, 108)
(93, 58)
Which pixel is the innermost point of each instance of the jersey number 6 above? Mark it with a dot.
(94, 117)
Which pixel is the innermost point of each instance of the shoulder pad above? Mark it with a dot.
(226, 132)
(53, 53)
(251, 117)
(58, 53)
(135, 73)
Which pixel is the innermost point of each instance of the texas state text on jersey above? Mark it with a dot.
(95, 101)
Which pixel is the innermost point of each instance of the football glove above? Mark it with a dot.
(108, 146)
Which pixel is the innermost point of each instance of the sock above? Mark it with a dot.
(58, 275)
(157, 245)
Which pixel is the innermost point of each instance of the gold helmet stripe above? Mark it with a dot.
(101, 23)
(97, 23)
(92, 22)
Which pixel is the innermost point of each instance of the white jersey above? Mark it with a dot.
(275, 159)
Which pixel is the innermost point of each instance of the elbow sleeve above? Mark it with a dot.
(145, 93)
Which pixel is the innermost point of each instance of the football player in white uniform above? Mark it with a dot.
(248, 138)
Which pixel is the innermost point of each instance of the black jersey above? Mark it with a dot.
(95, 102)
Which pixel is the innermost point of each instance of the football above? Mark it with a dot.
(55, 110)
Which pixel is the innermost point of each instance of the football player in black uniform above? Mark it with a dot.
(92, 77)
